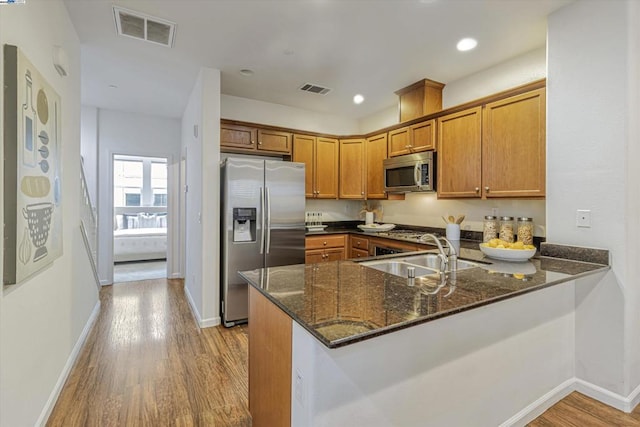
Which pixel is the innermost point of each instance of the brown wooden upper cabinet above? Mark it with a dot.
(320, 156)
(494, 151)
(352, 168)
(419, 99)
(375, 153)
(254, 139)
(413, 139)
(513, 146)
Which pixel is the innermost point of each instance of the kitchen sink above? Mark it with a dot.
(423, 265)
(398, 268)
(433, 261)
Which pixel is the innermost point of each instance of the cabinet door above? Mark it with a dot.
(423, 136)
(326, 168)
(376, 152)
(335, 254)
(352, 163)
(399, 142)
(274, 141)
(303, 152)
(313, 256)
(237, 136)
(459, 154)
(359, 253)
(513, 146)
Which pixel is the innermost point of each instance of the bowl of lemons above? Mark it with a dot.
(505, 251)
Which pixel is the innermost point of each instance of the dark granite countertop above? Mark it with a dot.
(344, 302)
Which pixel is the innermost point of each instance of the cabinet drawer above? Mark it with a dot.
(358, 253)
(359, 243)
(330, 241)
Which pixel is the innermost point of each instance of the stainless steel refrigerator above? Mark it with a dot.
(262, 224)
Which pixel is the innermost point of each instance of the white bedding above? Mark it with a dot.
(139, 244)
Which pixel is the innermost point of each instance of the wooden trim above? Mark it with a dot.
(419, 84)
(538, 84)
(270, 334)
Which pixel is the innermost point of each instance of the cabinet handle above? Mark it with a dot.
(253, 142)
(324, 243)
(407, 146)
(362, 192)
(259, 142)
(486, 189)
(477, 189)
(357, 243)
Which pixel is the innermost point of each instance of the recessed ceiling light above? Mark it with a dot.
(358, 99)
(466, 44)
(246, 72)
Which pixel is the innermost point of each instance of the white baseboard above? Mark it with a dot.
(104, 282)
(202, 323)
(535, 409)
(71, 360)
(625, 404)
(176, 276)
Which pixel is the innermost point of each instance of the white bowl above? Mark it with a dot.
(513, 255)
(376, 227)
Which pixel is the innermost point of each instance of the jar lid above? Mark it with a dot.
(490, 217)
(506, 218)
(524, 218)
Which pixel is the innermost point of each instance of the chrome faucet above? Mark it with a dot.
(448, 261)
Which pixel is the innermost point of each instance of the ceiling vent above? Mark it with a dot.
(309, 87)
(144, 27)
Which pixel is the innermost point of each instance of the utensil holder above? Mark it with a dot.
(453, 231)
(368, 218)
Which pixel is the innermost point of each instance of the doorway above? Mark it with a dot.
(140, 209)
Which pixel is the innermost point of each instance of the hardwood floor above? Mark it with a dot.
(147, 363)
(578, 410)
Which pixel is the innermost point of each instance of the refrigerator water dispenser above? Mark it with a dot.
(244, 224)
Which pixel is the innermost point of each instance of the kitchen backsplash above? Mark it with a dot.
(424, 209)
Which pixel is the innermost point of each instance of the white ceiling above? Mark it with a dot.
(372, 47)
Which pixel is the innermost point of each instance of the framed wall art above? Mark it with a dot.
(32, 187)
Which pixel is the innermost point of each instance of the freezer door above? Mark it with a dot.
(242, 186)
(284, 205)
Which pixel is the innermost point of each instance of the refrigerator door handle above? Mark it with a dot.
(262, 230)
(268, 203)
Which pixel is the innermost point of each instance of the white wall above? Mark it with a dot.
(587, 137)
(43, 318)
(89, 149)
(251, 110)
(514, 72)
(140, 135)
(202, 235)
(477, 368)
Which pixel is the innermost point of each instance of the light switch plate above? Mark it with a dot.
(583, 218)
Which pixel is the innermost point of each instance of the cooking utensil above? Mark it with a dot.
(452, 220)
(38, 218)
(44, 137)
(44, 165)
(44, 152)
(460, 219)
(446, 221)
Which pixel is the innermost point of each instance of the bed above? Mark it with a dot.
(139, 240)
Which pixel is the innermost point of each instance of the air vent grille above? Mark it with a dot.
(144, 27)
(310, 87)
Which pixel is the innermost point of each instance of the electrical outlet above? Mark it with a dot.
(494, 211)
(299, 387)
(583, 218)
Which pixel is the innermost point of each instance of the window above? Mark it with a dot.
(139, 181)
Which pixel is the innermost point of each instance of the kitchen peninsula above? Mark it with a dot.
(340, 343)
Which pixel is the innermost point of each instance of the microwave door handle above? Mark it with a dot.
(262, 214)
(416, 172)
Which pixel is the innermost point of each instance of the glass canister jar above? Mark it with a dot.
(490, 228)
(506, 229)
(525, 230)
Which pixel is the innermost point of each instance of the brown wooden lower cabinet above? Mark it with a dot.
(270, 331)
(325, 248)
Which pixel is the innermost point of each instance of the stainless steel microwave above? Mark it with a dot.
(412, 172)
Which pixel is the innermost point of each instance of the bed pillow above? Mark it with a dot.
(130, 221)
(161, 220)
(119, 223)
(146, 220)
